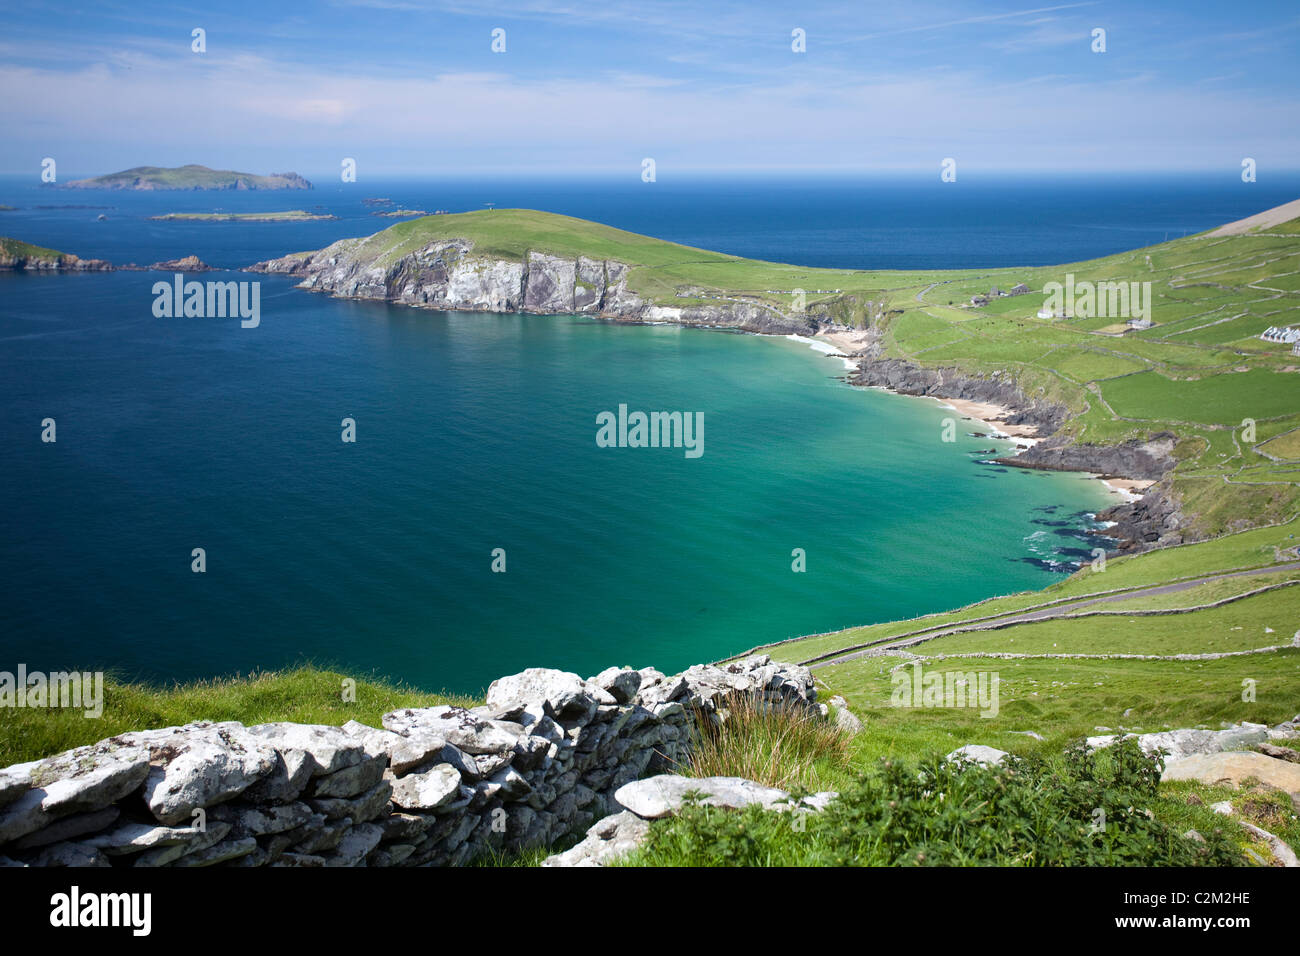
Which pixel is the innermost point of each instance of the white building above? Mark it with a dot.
(1281, 335)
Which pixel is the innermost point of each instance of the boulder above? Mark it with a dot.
(665, 794)
(1234, 767)
(427, 789)
(978, 753)
(83, 780)
(201, 764)
(566, 696)
(607, 839)
(455, 725)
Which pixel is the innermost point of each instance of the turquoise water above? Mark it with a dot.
(474, 432)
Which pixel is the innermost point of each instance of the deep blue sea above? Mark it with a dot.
(476, 432)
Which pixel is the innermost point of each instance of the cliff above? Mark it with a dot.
(452, 274)
(16, 255)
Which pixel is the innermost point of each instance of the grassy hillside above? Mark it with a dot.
(304, 694)
(17, 249)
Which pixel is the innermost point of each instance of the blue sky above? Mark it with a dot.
(410, 87)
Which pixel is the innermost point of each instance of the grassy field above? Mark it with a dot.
(305, 694)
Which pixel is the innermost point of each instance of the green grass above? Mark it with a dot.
(16, 248)
(305, 694)
(788, 749)
(1078, 809)
(1222, 399)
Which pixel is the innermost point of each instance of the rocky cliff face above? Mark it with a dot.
(448, 274)
(907, 379)
(63, 263)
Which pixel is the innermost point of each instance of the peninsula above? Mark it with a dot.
(1193, 408)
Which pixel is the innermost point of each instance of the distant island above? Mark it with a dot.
(400, 213)
(189, 177)
(288, 215)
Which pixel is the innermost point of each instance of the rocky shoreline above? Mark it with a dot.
(1154, 519)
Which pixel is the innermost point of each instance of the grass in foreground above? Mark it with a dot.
(1100, 808)
(782, 748)
(306, 694)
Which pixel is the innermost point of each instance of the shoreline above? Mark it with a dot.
(992, 417)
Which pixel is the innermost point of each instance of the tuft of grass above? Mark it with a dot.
(795, 750)
(305, 694)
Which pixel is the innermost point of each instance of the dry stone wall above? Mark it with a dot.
(540, 760)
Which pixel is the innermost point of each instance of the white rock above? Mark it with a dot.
(664, 795)
(978, 753)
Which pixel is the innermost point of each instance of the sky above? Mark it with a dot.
(407, 87)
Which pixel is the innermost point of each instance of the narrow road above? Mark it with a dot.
(1042, 614)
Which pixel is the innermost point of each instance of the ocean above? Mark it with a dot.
(475, 443)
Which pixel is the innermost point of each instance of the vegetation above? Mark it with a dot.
(1087, 808)
(305, 694)
(792, 750)
(12, 249)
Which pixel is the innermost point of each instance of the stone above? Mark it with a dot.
(403, 753)
(70, 854)
(607, 840)
(665, 794)
(69, 828)
(219, 853)
(15, 781)
(621, 683)
(845, 719)
(325, 837)
(978, 753)
(199, 765)
(83, 780)
(137, 837)
(1186, 742)
(566, 695)
(455, 725)
(332, 749)
(169, 854)
(352, 780)
(353, 848)
(1234, 767)
(259, 821)
(427, 789)
(365, 807)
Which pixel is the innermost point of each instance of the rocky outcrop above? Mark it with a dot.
(448, 274)
(64, 262)
(908, 379)
(545, 757)
(1149, 459)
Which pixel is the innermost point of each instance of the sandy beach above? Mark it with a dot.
(993, 419)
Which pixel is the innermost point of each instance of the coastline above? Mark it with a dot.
(992, 418)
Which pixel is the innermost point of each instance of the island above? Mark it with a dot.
(400, 213)
(188, 177)
(289, 215)
(19, 256)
